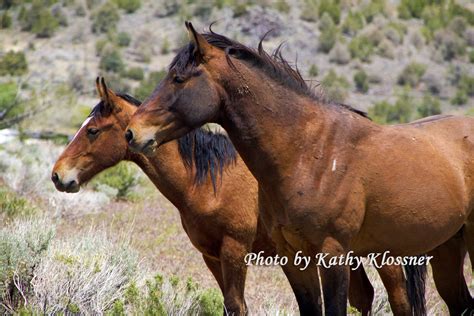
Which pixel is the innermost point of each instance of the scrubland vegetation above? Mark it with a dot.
(117, 247)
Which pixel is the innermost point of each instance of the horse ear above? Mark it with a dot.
(202, 46)
(108, 96)
(99, 88)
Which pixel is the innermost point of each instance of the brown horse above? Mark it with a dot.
(337, 181)
(204, 199)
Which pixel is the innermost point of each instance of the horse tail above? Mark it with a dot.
(415, 283)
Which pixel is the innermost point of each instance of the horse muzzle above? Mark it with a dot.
(146, 147)
(69, 186)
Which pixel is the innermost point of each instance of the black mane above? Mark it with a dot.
(124, 96)
(274, 65)
(129, 99)
(208, 152)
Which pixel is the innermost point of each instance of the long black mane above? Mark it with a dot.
(274, 65)
(208, 153)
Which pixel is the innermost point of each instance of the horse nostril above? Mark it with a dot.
(55, 177)
(72, 183)
(129, 135)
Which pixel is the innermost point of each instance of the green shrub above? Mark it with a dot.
(469, 112)
(328, 35)
(332, 8)
(154, 305)
(408, 9)
(5, 20)
(361, 81)
(313, 71)
(361, 47)
(373, 8)
(13, 205)
(211, 302)
(434, 18)
(429, 106)
(10, 103)
(148, 85)
(455, 9)
(38, 19)
(379, 111)
(135, 73)
(471, 56)
(282, 6)
(310, 11)
(165, 46)
(80, 10)
(85, 273)
(22, 246)
(240, 9)
(122, 178)
(202, 8)
(386, 49)
(91, 4)
(129, 6)
(339, 54)
(449, 44)
(336, 87)
(123, 39)
(395, 32)
(460, 98)
(403, 108)
(8, 93)
(105, 18)
(467, 84)
(401, 112)
(411, 74)
(60, 16)
(112, 61)
(45, 25)
(353, 23)
(100, 45)
(458, 25)
(13, 63)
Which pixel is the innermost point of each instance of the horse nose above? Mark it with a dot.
(55, 177)
(72, 185)
(129, 135)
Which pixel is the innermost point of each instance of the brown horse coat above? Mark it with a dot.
(219, 215)
(336, 181)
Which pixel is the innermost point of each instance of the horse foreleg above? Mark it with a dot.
(361, 291)
(448, 274)
(234, 272)
(304, 283)
(335, 280)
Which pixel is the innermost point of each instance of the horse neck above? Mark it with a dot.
(167, 172)
(275, 130)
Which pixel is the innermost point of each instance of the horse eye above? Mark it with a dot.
(92, 131)
(178, 79)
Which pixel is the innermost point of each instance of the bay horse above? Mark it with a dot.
(219, 214)
(336, 181)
